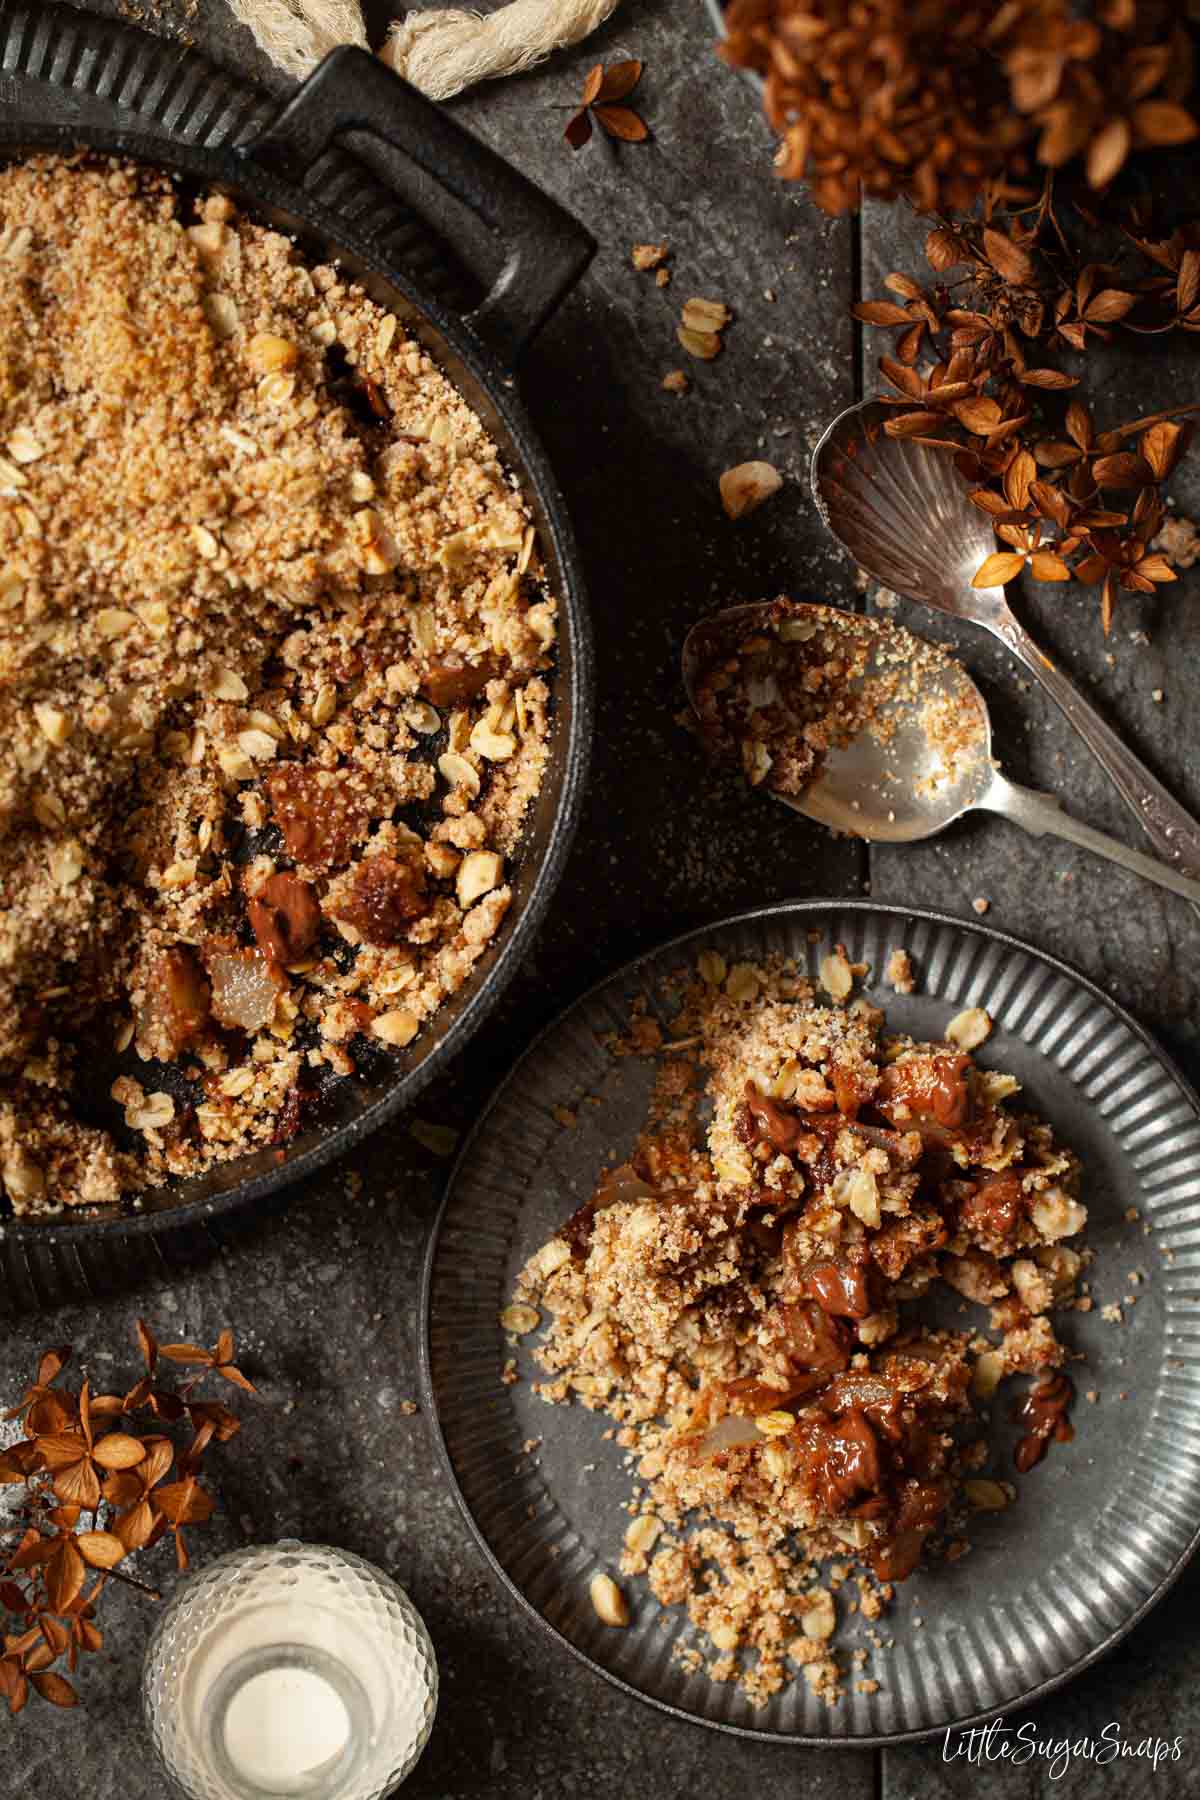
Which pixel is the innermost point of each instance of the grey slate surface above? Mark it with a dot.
(323, 1292)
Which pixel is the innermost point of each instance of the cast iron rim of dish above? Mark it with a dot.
(626, 974)
(464, 354)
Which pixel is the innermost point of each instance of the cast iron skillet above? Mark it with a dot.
(529, 253)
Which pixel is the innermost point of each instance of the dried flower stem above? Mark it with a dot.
(106, 1456)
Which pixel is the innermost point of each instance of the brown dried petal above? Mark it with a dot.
(1044, 565)
(148, 1345)
(943, 249)
(100, 1549)
(621, 122)
(55, 1688)
(913, 424)
(78, 1485)
(1108, 305)
(55, 1633)
(880, 312)
(578, 128)
(1002, 566)
(135, 1528)
(1107, 152)
(1007, 258)
(188, 1353)
(1079, 424)
(64, 1575)
(619, 79)
(1125, 469)
(1159, 123)
(908, 344)
(906, 380)
(904, 285)
(1048, 378)
(980, 415)
(52, 1363)
(119, 1451)
(1188, 284)
(1019, 477)
(185, 1502)
(1052, 454)
(1160, 446)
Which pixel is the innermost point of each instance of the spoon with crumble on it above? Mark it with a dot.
(866, 728)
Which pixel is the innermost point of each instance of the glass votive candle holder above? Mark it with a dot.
(290, 1669)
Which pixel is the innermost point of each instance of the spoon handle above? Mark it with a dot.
(1173, 831)
(1041, 813)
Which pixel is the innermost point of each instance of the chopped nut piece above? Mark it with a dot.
(479, 872)
(610, 1604)
(775, 1424)
(265, 353)
(989, 1369)
(702, 344)
(746, 487)
(398, 1027)
(642, 1534)
(706, 315)
(459, 772)
(676, 381)
(496, 746)
(227, 685)
(115, 621)
(520, 1319)
(221, 313)
(899, 972)
(649, 256)
(157, 1111)
(969, 1029)
(53, 723)
(836, 975)
(819, 1618)
(23, 447)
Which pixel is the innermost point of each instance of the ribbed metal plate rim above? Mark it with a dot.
(1049, 1633)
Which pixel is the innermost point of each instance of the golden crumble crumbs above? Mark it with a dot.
(736, 1298)
(274, 639)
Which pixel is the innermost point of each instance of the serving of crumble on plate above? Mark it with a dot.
(802, 1235)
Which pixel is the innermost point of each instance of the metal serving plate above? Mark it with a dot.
(1100, 1529)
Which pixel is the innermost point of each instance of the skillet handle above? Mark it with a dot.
(543, 250)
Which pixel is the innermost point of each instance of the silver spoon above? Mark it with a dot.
(902, 512)
(893, 785)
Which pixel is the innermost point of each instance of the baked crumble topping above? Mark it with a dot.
(805, 680)
(274, 638)
(736, 1298)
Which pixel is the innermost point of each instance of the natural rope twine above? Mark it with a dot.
(441, 51)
